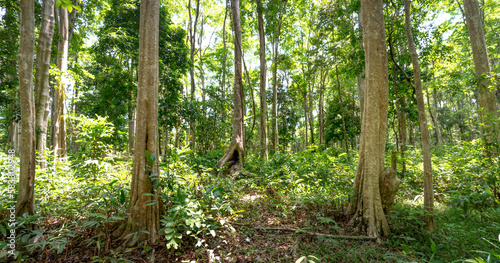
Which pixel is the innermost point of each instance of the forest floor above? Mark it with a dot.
(211, 218)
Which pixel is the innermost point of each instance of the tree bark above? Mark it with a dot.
(487, 99)
(60, 91)
(192, 42)
(26, 192)
(42, 87)
(274, 117)
(144, 209)
(131, 126)
(366, 206)
(235, 153)
(263, 83)
(434, 120)
(311, 106)
(321, 115)
(342, 110)
(424, 132)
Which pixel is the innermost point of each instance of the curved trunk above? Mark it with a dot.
(42, 86)
(235, 153)
(426, 143)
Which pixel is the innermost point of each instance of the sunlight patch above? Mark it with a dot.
(250, 197)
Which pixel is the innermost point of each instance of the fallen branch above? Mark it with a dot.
(306, 232)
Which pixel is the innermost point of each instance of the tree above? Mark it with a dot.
(26, 193)
(192, 44)
(235, 153)
(263, 79)
(487, 99)
(366, 206)
(58, 120)
(426, 143)
(42, 87)
(144, 209)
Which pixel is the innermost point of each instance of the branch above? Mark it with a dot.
(316, 234)
(306, 232)
(391, 49)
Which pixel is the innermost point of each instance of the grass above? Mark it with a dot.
(221, 220)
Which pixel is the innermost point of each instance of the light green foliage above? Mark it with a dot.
(94, 144)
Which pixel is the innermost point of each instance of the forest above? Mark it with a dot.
(249, 131)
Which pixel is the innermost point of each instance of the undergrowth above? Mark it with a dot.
(78, 209)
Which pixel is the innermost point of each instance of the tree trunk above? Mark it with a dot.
(274, 118)
(366, 206)
(131, 122)
(434, 120)
(311, 106)
(487, 99)
(321, 116)
(42, 87)
(426, 143)
(342, 111)
(192, 42)
(60, 90)
(223, 81)
(144, 209)
(235, 153)
(360, 79)
(306, 138)
(263, 80)
(26, 192)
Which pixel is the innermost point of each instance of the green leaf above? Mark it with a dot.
(70, 8)
(38, 233)
(433, 246)
(3, 230)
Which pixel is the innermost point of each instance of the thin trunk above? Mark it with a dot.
(304, 94)
(26, 192)
(434, 105)
(263, 82)
(401, 123)
(342, 111)
(311, 105)
(274, 119)
(60, 91)
(321, 116)
(131, 120)
(42, 86)
(223, 81)
(426, 143)
(192, 42)
(434, 120)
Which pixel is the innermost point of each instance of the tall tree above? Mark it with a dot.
(42, 88)
(235, 153)
(192, 42)
(366, 206)
(144, 209)
(487, 99)
(263, 80)
(59, 123)
(424, 132)
(274, 113)
(26, 193)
